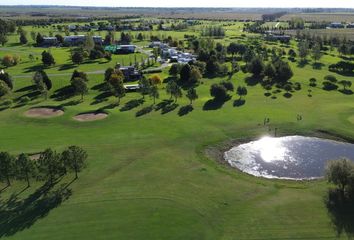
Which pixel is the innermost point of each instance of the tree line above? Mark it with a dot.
(49, 166)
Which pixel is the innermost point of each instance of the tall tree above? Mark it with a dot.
(80, 86)
(6, 166)
(74, 158)
(24, 168)
(47, 58)
(316, 52)
(50, 165)
(192, 95)
(154, 92)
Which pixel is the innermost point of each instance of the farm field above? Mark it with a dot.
(155, 172)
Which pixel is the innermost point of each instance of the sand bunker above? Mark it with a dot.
(44, 112)
(86, 117)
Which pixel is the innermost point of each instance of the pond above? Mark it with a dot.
(291, 157)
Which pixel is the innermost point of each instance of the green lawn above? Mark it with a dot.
(148, 177)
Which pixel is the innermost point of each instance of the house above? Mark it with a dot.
(158, 44)
(129, 72)
(49, 41)
(125, 49)
(80, 39)
(277, 37)
(74, 40)
(350, 25)
(336, 25)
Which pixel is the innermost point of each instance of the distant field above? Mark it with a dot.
(343, 33)
(319, 17)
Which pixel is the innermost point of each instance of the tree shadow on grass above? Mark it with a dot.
(341, 211)
(19, 214)
(287, 95)
(71, 103)
(302, 63)
(252, 81)
(317, 66)
(34, 68)
(132, 104)
(26, 89)
(169, 108)
(346, 91)
(63, 93)
(163, 104)
(239, 102)
(66, 66)
(100, 87)
(214, 104)
(144, 111)
(185, 110)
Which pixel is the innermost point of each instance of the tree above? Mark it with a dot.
(185, 73)
(313, 82)
(144, 86)
(195, 75)
(256, 66)
(39, 39)
(340, 172)
(24, 168)
(39, 83)
(303, 47)
(155, 79)
(174, 70)
(241, 91)
(192, 95)
(345, 84)
(23, 38)
(269, 71)
(116, 85)
(89, 44)
(74, 159)
(218, 91)
(287, 87)
(3, 39)
(50, 165)
(316, 52)
(283, 71)
(173, 89)
(6, 78)
(6, 166)
(47, 58)
(154, 92)
(77, 57)
(107, 74)
(4, 89)
(80, 86)
(8, 61)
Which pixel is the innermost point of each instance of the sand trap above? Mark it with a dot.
(86, 117)
(44, 112)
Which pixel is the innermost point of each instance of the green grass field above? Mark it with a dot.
(149, 177)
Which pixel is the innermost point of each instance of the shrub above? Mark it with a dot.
(24, 100)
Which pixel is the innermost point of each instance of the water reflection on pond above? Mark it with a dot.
(291, 157)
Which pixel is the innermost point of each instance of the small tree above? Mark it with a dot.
(4, 89)
(256, 66)
(24, 168)
(38, 81)
(303, 47)
(74, 159)
(173, 89)
(195, 75)
(144, 86)
(80, 86)
(345, 84)
(6, 166)
(192, 95)
(313, 82)
(340, 173)
(241, 91)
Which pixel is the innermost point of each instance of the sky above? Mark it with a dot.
(190, 3)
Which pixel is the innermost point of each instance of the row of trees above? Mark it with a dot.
(49, 166)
